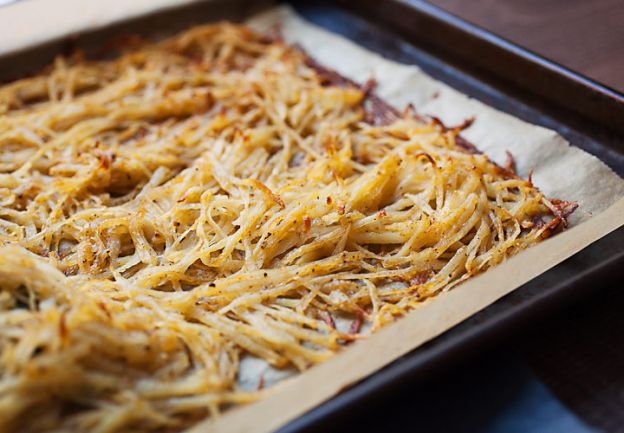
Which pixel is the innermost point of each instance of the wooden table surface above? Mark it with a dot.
(584, 35)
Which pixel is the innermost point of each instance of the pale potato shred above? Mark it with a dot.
(215, 196)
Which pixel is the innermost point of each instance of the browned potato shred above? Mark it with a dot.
(210, 197)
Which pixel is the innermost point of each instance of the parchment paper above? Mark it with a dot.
(559, 170)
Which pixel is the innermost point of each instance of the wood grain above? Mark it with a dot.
(585, 35)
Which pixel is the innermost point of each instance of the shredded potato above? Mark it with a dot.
(213, 196)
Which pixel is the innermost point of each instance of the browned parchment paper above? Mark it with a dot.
(559, 170)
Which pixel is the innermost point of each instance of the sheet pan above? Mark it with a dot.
(594, 125)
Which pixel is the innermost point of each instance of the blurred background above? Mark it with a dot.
(584, 35)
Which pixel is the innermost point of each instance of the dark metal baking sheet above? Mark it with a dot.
(476, 63)
(511, 79)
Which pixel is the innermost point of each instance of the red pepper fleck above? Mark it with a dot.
(328, 319)
(419, 279)
(260, 383)
(103, 308)
(62, 326)
(510, 163)
(356, 325)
